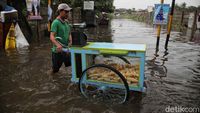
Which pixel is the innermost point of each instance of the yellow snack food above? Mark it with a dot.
(129, 71)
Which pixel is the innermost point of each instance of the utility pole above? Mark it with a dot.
(169, 25)
(49, 21)
(158, 32)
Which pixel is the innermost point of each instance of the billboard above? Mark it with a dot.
(161, 14)
(33, 9)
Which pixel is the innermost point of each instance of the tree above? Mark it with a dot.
(104, 6)
(198, 7)
(191, 8)
(177, 7)
(183, 5)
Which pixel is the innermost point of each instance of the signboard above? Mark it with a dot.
(198, 21)
(161, 14)
(88, 5)
(191, 20)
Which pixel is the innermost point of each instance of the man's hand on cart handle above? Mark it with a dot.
(59, 48)
(67, 50)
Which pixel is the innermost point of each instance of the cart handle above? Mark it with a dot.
(66, 50)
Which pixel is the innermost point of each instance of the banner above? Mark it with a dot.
(33, 8)
(161, 14)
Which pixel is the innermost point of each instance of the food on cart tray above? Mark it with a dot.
(129, 71)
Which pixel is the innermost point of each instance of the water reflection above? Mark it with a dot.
(20, 55)
(157, 66)
(99, 34)
(27, 85)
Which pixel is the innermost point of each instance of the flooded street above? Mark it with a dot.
(173, 77)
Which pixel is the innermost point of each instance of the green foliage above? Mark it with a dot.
(183, 7)
(43, 2)
(104, 6)
(191, 8)
(77, 3)
(99, 5)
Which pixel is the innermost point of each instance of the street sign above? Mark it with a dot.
(198, 21)
(161, 14)
(88, 5)
(191, 20)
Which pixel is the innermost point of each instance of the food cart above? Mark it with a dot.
(108, 71)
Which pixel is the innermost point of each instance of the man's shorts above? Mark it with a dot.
(59, 58)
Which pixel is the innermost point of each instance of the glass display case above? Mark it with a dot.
(102, 66)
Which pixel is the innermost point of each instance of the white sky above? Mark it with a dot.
(142, 4)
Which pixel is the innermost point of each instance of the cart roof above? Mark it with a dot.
(115, 46)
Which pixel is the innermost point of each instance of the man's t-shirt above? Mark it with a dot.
(62, 30)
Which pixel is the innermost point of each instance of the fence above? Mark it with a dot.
(180, 21)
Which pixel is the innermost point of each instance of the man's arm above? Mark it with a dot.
(52, 38)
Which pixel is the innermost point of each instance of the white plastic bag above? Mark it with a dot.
(20, 39)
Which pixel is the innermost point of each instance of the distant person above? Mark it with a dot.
(198, 22)
(60, 36)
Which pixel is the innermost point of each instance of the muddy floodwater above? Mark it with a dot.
(173, 77)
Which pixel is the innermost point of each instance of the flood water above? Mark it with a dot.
(173, 77)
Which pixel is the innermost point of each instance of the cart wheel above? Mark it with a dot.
(124, 59)
(112, 89)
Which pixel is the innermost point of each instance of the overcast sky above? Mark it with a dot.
(142, 4)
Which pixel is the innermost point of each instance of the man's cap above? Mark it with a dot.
(64, 6)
